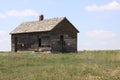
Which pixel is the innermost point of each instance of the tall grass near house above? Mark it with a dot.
(84, 65)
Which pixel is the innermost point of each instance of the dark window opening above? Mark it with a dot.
(39, 42)
(61, 38)
(62, 42)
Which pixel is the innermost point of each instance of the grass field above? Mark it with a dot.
(85, 65)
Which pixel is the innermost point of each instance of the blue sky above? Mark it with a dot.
(97, 20)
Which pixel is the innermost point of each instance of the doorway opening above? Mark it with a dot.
(62, 43)
(39, 42)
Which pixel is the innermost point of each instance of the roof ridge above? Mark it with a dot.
(45, 19)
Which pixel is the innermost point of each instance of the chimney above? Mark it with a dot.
(41, 17)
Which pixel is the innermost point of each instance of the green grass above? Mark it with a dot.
(85, 65)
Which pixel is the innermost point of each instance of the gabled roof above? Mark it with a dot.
(37, 26)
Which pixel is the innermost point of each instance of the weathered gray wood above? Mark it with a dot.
(62, 38)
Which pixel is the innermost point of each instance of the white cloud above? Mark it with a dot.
(15, 13)
(2, 16)
(102, 34)
(109, 7)
(99, 40)
(4, 41)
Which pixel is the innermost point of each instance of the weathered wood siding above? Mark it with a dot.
(30, 41)
(63, 38)
(24, 42)
(51, 43)
(70, 44)
(66, 29)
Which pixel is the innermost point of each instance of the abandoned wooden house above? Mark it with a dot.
(45, 35)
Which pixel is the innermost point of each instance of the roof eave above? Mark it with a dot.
(29, 32)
